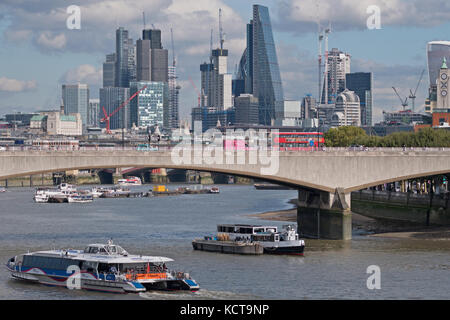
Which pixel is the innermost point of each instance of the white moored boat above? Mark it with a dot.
(80, 198)
(130, 181)
(104, 267)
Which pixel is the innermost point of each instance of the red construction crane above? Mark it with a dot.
(195, 87)
(107, 117)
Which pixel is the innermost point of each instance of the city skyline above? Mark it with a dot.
(395, 54)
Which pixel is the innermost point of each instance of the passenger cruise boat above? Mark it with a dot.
(81, 198)
(103, 267)
(285, 241)
(130, 181)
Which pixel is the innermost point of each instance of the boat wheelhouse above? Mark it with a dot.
(103, 267)
(285, 241)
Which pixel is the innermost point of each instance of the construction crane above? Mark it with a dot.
(198, 92)
(404, 103)
(107, 116)
(221, 34)
(412, 95)
(143, 18)
(173, 48)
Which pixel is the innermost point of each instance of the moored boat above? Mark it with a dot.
(104, 267)
(130, 181)
(80, 198)
(273, 241)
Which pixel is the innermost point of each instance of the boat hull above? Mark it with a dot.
(291, 250)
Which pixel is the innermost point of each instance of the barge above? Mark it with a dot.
(242, 237)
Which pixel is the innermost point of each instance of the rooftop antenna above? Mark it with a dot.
(412, 95)
(221, 30)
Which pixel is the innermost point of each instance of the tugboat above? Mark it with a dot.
(103, 267)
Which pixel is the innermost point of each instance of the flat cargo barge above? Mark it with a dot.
(235, 247)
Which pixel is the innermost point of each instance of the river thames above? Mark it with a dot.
(165, 226)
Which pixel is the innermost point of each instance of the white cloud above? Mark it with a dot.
(13, 85)
(49, 41)
(299, 16)
(83, 74)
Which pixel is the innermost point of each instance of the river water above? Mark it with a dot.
(165, 226)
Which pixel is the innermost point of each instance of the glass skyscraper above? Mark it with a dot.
(361, 84)
(436, 51)
(76, 100)
(150, 106)
(259, 65)
(111, 98)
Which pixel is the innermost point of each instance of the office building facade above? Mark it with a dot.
(338, 65)
(361, 83)
(259, 67)
(150, 106)
(112, 98)
(436, 52)
(347, 111)
(76, 100)
(246, 106)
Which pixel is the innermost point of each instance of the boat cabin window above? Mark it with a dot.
(257, 230)
(245, 230)
(229, 229)
(55, 263)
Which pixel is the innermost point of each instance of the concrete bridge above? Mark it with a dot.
(324, 179)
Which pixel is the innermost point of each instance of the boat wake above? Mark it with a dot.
(201, 294)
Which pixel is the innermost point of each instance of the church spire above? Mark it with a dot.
(444, 63)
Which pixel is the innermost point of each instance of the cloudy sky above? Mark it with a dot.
(39, 53)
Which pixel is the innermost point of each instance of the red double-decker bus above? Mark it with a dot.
(296, 141)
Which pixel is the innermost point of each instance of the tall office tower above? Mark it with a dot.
(152, 58)
(109, 67)
(347, 111)
(124, 59)
(308, 107)
(259, 65)
(361, 84)
(94, 113)
(154, 36)
(150, 106)
(206, 79)
(112, 98)
(436, 51)
(221, 88)
(76, 100)
(216, 91)
(338, 67)
(143, 60)
(131, 61)
(159, 64)
(174, 91)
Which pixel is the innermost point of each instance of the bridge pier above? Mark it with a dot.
(324, 215)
